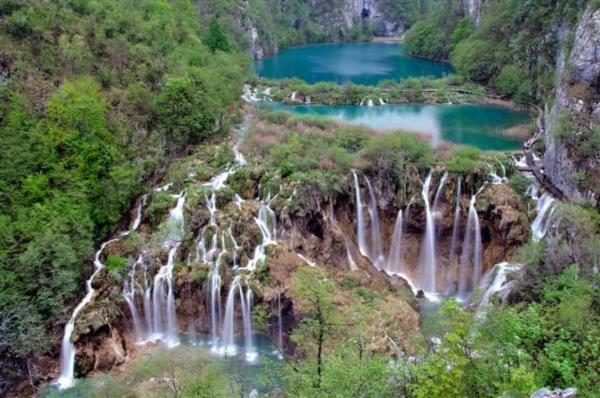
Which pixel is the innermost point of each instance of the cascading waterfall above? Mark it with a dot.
(129, 293)
(164, 317)
(376, 254)
(450, 288)
(251, 353)
(267, 223)
(494, 281)
(67, 351)
(438, 192)
(360, 221)
(370, 102)
(545, 210)
(394, 263)
(211, 205)
(471, 254)
(428, 268)
(228, 347)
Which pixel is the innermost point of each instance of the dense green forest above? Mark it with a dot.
(513, 48)
(95, 97)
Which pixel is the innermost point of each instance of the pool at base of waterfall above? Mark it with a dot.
(150, 370)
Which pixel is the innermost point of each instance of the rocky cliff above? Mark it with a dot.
(572, 156)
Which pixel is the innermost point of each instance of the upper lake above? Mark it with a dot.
(359, 63)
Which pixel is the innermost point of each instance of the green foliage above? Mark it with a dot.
(474, 59)
(464, 160)
(217, 40)
(99, 95)
(389, 154)
(519, 183)
(116, 264)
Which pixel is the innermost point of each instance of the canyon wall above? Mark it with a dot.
(571, 159)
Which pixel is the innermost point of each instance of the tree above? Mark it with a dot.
(314, 291)
(217, 39)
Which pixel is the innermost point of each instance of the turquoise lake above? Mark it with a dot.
(481, 126)
(359, 63)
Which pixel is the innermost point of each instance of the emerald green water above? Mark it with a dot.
(360, 63)
(481, 126)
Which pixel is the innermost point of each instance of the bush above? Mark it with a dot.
(474, 59)
(520, 183)
(116, 264)
(464, 160)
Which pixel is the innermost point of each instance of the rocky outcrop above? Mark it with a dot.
(571, 160)
(545, 393)
(338, 19)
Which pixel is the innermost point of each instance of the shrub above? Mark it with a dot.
(474, 59)
(464, 160)
(116, 264)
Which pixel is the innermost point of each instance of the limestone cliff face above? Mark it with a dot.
(350, 13)
(569, 161)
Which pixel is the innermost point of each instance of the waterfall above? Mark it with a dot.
(381, 101)
(472, 253)
(228, 347)
(164, 317)
(267, 223)
(370, 102)
(428, 266)
(360, 222)
(438, 193)
(251, 353)
(494, 281)
(394, 263)
(215, 299)
(450, 288)
(129, 290)
(293, 96)
(211, 205)
(138, 213)
(67, 351)
(376, 254)
(545, 210)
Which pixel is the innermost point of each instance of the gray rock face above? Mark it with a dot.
(577, 97)
(545, 393)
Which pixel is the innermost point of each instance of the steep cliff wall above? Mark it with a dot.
(572, 157)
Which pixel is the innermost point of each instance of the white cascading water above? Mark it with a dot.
(67, 351)
(450, 288)
(394, 263)
(129, 293)
(438, 193)
(228, 347)
(370, 102)
(494, 281)
(360, 219)
(472, 254)
(267, 223)
(381, 101)
(211, 205)
(546, 206)
(251, 353)
(428, 267)
(376, 253)
(164, 317)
